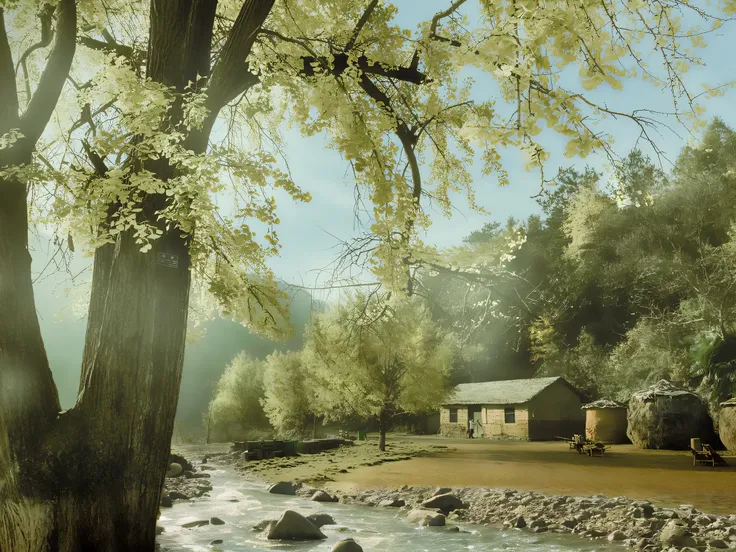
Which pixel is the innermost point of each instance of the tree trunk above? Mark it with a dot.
(382, 427)
(29, 401)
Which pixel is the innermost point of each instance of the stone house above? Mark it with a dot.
(529, 409)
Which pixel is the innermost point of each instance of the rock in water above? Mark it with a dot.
(665, 417)
(294, 526)
(264, 525)
(727, 424)
(216, 521)
(347, 545)
(198, 523)
(283, 488)
(426, 518)
(320, 520)
(445, 503)
(322, 496)
(183, 462)
(175, 470)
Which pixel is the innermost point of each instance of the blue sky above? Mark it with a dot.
(307, 231)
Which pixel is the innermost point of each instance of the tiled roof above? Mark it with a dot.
(500, 392)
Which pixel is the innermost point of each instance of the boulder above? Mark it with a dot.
(322, 496)
(446, 503)
(666, 417)
(441, 490)
(320, 520)
(426, 518)
(294, 526)
(675, 534)
(216, 521)
(174, 470)
(727, 424)
(183, 462)
(283, 488)
(617, 536)
(347, 545)
(166, 501)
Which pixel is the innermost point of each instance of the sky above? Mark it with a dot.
(307, 232)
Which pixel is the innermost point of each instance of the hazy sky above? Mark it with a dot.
(307, 231)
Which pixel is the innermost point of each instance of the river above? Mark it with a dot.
(241, 504)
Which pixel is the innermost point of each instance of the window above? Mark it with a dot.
(509, 415)
(453, 415)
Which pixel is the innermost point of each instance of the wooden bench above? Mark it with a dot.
(707, 457)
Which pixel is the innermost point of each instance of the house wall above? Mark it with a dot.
(556, 412)
(494, 422)
(453, 429)
(607, 425)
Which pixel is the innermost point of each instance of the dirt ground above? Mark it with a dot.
(666, 478)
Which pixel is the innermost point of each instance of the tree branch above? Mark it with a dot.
(361, 23)
(8, 91)
(367, 66)
(47, 34)
(42, 104)
(231, 76)
(107, 46)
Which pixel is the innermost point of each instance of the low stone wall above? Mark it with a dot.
(453, 430)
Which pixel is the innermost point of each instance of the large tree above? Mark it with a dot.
(135, 179)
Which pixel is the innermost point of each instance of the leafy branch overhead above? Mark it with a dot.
(150, 156)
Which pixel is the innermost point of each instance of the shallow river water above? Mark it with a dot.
(375, 529)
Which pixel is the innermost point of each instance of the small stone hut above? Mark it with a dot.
(667, 417)
(606, 422)
(527, 409)
(727, 424)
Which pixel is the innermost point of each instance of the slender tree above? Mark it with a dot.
(376, 359)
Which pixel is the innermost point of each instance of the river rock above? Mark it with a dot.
(320, 520)
(183, 462)
(216, 541)
(322, 496)
(197, 523)
(166, 501)
(675, 534)
(216, 521)
(392, 503)
(617, 536)
(426, 518)
(283, 488)
(347, 545)
(445, 503)
(174, 470)
(294, 526)
(441, 490)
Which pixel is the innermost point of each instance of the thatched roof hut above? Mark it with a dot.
(667, 417)
(727, 423)
(606, 421)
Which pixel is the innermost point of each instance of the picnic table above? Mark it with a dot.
(586, 446)
(707, 456)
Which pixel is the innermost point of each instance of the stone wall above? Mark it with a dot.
(494, 423)
(453, 429)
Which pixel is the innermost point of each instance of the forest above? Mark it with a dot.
(622, 282)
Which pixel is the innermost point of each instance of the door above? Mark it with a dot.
(478, 423)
